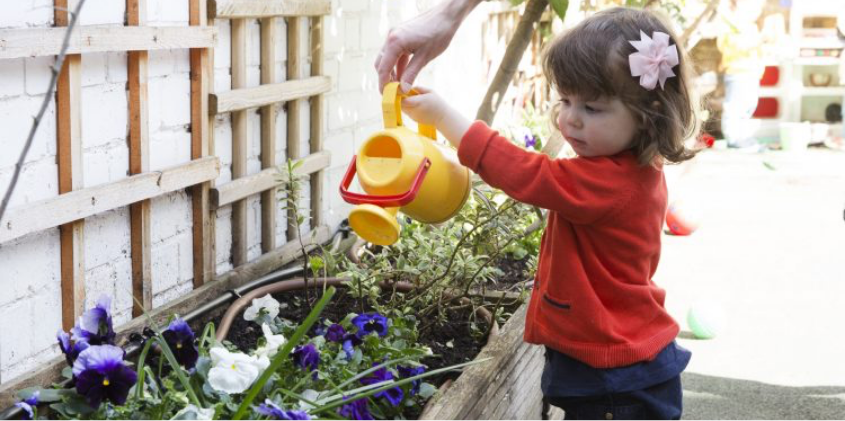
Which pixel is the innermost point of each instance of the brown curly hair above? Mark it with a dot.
(591, 61)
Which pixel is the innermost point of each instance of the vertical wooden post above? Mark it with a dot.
(201, 146)
(239, 141)
(293, 110)
(69, 139)
(139, 162)
(268, 134)
(317, 120)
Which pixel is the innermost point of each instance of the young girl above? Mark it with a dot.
(626, 109)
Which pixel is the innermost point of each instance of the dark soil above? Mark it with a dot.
(514, 273)
(452, 343)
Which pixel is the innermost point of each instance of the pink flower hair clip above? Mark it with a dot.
(653, 60)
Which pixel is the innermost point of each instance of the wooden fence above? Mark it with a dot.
(74, 203)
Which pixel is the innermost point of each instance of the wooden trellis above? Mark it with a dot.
(74, 203)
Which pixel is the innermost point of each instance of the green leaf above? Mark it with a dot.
(46, 395)
(427, 390)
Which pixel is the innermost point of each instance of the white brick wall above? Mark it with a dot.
(30, 290)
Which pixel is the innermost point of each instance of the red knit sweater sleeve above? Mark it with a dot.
(582, 190)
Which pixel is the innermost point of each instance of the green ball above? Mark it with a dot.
(702, 323)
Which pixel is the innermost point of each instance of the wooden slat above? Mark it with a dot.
(51, 371)
(69, 148)
(268, 134)
(80, 204)
(293, 131)
(17, 43)
(201, 130)
(239, 141)
(317, 120)
(265, 180)
(242, 99)
(233, 9)
(139, 163)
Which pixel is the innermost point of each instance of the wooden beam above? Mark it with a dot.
(51, 371)
(265, 180)
(268, 134)
(317, 120)
(35, 42)
(201, 129)
(80, 204)
(234, 9)
(69, 148)
(258, 96)
(139, 163)
(293, 131)
(240, 137)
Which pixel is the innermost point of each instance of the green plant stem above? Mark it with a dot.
(139, 385)
(283, 353)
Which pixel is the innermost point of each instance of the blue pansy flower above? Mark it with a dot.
(95, 325)
(407, 372)
(29, 404)
(71, 351)
(393, 395)
(350, 341)
(306, 356)
(270, 409)
(335, 333)
(180, 339)
(357, 410)
(530, 141)
(369, 323)
(101, 374)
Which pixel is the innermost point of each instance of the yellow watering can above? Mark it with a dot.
(402, 170)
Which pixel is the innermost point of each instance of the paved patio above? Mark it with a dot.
(770, 256)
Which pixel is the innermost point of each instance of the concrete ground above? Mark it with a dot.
(769, 257)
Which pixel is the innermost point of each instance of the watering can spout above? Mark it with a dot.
(401, 170)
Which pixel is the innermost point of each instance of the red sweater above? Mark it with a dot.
(593, 296)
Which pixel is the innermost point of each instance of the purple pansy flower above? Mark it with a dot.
(95, 325)
(350, 341)
(29, 404)
(530, 141)
(306, 356)
(369, 323)
(101, 374)
(335, 333)
(406, 372)
(393, 395)
(70, 351)
(180, 339)
(357, 410)
(270, 409)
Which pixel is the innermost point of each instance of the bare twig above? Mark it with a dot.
(56, 69)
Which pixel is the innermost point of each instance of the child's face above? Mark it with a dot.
(599, 127)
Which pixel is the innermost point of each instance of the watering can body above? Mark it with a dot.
(402, 170)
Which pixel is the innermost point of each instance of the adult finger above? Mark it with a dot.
(418, 61)
(401, 65)
(389, 56)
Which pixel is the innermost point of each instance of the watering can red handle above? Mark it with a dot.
(387, 201)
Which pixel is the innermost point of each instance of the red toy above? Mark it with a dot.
(679, 221)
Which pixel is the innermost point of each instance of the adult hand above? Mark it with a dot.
(413, 44)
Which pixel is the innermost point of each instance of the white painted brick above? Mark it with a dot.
(38, 180)
(93, 69)
(107, 238)
(16, 341)
(175, 99)
(104, 114)
(222, 80)
(167, 12)
(165, 265)
(186, 256)
(223, 48)
(223, 239)
(105, 164)
(253, 76)
(122, 299)
(97, 12)
(22, 14)
(30, 264)
(253, 230)
(116, 67)
(355, 5)
(169, 148)
(100, 281)
(352, 73)
(253, 43)
(170, 216)
(281, 47)
(342, 147)
(352, 34)
(161, 63)
(331, 68)
(373, 32)
(38, 73)
(46, 321)
(167, 296)
(11, 76)
(333, 34)
(16, 116)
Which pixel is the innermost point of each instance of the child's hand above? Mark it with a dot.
(426, 107)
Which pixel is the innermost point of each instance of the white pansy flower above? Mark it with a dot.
(192, 412)
(274, 342)
(266, 303)
(234, 372)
